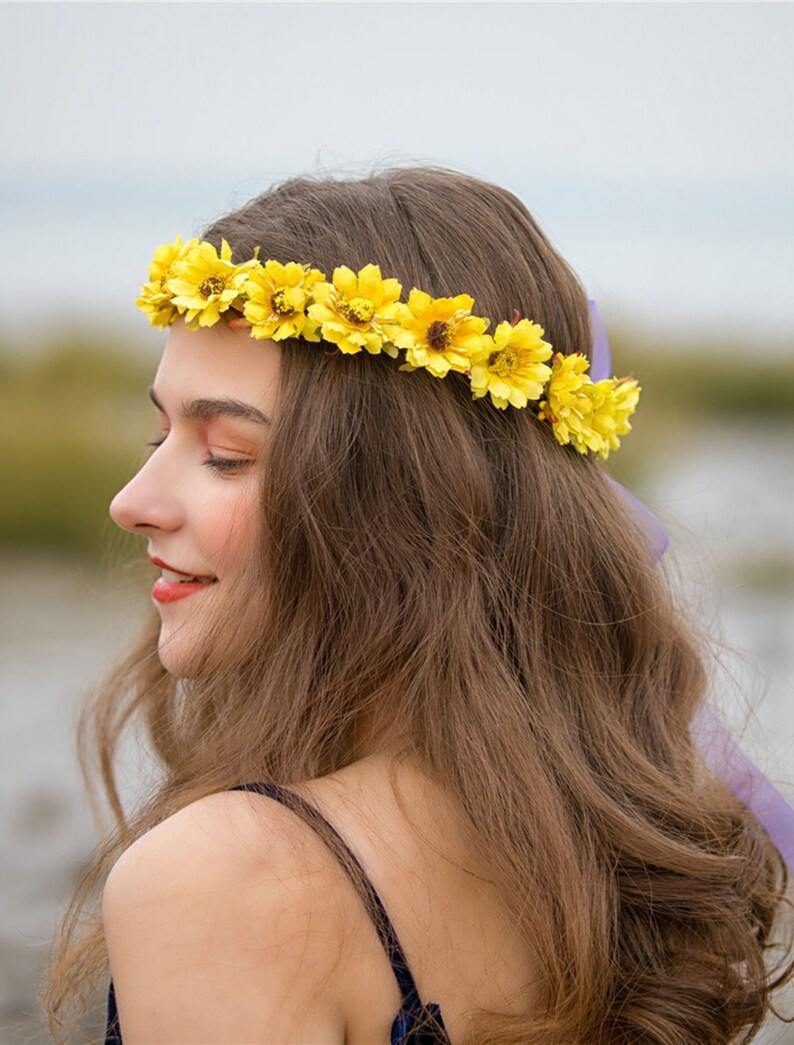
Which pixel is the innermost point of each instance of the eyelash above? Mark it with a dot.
(219, 464)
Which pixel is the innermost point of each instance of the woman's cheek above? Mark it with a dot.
(239, 519)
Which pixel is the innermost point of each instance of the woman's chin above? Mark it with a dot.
(185, 655)
(174, 663)
(178, 653)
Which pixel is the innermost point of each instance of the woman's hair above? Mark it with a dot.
(452, 563)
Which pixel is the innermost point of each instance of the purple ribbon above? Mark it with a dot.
(720, 751)
(600, 355)
(724, 757)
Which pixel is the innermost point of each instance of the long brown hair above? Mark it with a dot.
(451, 562)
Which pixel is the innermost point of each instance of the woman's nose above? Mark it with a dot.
(148, 501)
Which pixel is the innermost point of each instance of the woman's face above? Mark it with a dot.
(196, 498)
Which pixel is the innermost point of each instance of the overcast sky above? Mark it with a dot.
(653, 142)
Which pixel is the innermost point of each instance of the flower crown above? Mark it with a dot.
(357, 311)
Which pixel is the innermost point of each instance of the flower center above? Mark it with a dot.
(211, 285)
(504, 362)
(281, 304)
(357, 310)
(439, 335)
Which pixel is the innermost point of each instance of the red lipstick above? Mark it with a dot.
(166, 589)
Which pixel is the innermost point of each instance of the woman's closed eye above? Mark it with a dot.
(219, 464)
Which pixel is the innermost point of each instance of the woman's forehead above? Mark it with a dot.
(218, 361)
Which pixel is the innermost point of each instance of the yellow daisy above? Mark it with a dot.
(156, 299)
(204, 284)
(614, 401)
(512, 367)
(277, 296)
(568, 404)
(440, 334)
(356, 311)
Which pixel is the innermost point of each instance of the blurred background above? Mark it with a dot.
(651, 141)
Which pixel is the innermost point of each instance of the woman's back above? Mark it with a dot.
(454, 931)
(451, 925)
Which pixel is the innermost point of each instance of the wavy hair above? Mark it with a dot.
(450, 562)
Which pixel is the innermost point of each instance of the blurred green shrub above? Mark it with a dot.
(710, 380)
(75, 416)
(688, 386)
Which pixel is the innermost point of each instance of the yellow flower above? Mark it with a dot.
(204, 284)
(357, 311)
(614, 401)
(512, 367)
(277, 296)
(440, 334)
(156, 298)
(568, 404)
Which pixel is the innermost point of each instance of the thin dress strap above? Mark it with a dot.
(383, 925)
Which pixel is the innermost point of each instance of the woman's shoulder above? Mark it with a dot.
(228, 830)
(241, 832)
(244, 847)
(218, 901)
(242, 836)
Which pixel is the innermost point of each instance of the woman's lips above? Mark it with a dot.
(171, 587)
(171, 591)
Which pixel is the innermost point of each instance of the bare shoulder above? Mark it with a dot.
(221, 925)
(227, 830)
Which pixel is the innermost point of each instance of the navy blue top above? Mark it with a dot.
(415, 1023)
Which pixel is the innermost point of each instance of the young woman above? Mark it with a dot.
(422, 698)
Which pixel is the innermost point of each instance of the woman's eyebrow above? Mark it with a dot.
(207, 409)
